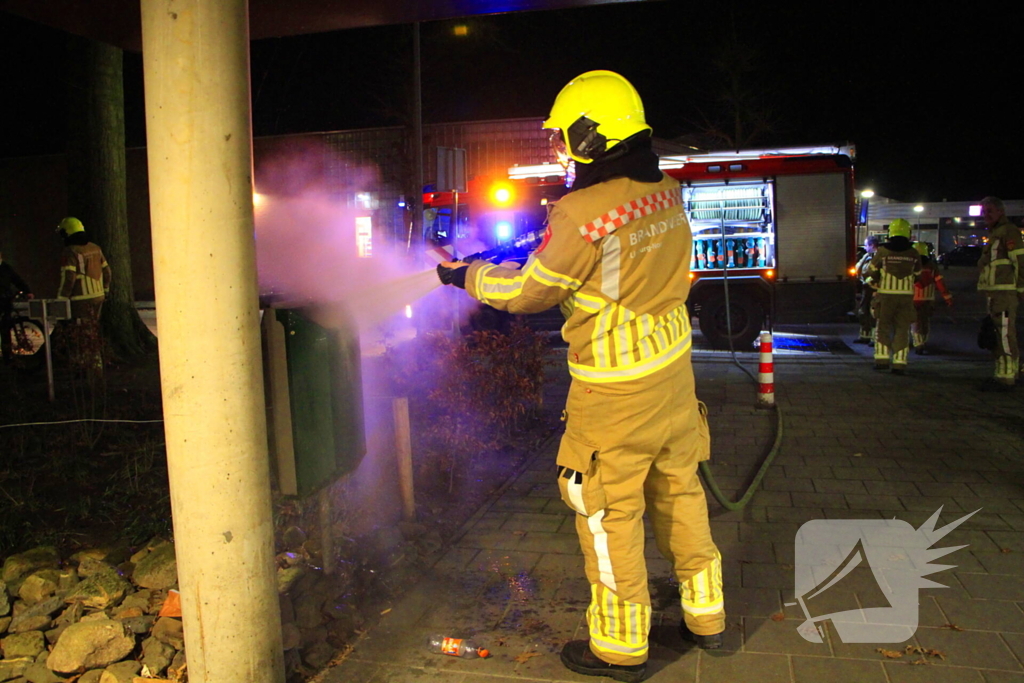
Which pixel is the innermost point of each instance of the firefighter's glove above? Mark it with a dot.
(452, 273)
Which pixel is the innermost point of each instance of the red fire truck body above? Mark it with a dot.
(773, 232)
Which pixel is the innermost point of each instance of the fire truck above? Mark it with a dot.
(773, 232)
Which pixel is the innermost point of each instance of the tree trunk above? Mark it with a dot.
(97, 182)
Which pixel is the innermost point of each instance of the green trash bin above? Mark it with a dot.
(314, 399)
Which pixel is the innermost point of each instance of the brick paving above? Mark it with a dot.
(857, 444)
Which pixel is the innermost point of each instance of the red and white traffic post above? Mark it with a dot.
(766, 374)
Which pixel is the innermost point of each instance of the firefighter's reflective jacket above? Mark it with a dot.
(84, 273)
(893, 271)
(928, 281)
(1002, 259)
(611, 259)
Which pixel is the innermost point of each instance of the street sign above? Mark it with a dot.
(451, 169)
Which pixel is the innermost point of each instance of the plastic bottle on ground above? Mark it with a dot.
(456, 647)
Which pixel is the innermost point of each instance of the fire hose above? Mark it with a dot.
(705, 468)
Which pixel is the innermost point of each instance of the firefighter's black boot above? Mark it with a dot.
(576, 656)
(712, 642)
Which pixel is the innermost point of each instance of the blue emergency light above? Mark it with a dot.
(503, 230)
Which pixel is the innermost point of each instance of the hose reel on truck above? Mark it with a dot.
(733, 258)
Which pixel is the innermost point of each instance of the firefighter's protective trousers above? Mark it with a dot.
(895, 315)
(922, 322)
(614, 259)
(641, 455)
(1002, 306)
(1001, 278)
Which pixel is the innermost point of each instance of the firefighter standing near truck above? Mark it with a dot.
(928, 282)
(1001, 280)
(893, 271)
(614, 257)
(85, 281)
(864, 314)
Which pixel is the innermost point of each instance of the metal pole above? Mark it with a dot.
(417, 137)
(49, 358)
(199, 137)
(455, 255)
(403, 447)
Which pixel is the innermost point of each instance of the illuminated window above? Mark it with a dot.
(974, 210)
(364, 237)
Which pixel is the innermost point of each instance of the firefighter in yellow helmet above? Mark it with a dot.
(927, 283)
(893, 271)
(85, 281)
(1001, 280)
(614, 258)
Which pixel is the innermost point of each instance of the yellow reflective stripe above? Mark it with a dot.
(644, 346)
(634, 370)
(71, 268)
(623, 337)
(702, 593)
(600, 338)
(499, 289)
(617, 626)
(546, 276)
(588, 303)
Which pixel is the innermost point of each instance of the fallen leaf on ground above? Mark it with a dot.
(385, 611)
(919, 661)
(891, 654)
(952, 627)
(1005, 550)
(917, 650)
(526, 656)
(778, 616)
(858, 455)
(518, 533)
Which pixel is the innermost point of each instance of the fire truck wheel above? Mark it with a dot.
(747, 317)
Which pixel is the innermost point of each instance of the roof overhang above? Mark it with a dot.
(119, 22)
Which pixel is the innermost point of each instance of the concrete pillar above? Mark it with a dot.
(196, 61)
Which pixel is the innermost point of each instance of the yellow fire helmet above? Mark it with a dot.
(922, 248)
(70, 225)
(596, 111)
(899, 228)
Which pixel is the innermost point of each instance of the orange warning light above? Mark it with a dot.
(501, 194)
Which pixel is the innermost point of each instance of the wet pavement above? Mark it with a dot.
(857, 444)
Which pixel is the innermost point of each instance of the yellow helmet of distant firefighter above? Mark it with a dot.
(593, 113)
(922, 248)
(69, 226)
(900, 228)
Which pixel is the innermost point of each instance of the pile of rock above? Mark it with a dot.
(104, 615)
(84, 618)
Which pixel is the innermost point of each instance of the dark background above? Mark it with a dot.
(927, 95)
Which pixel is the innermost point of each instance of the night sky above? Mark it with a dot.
(928, 100)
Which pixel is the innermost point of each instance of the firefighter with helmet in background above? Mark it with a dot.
(85, 281)
(865, 315)
(927, 283)
(1001, 279)
(892, 272)
(613, 257)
